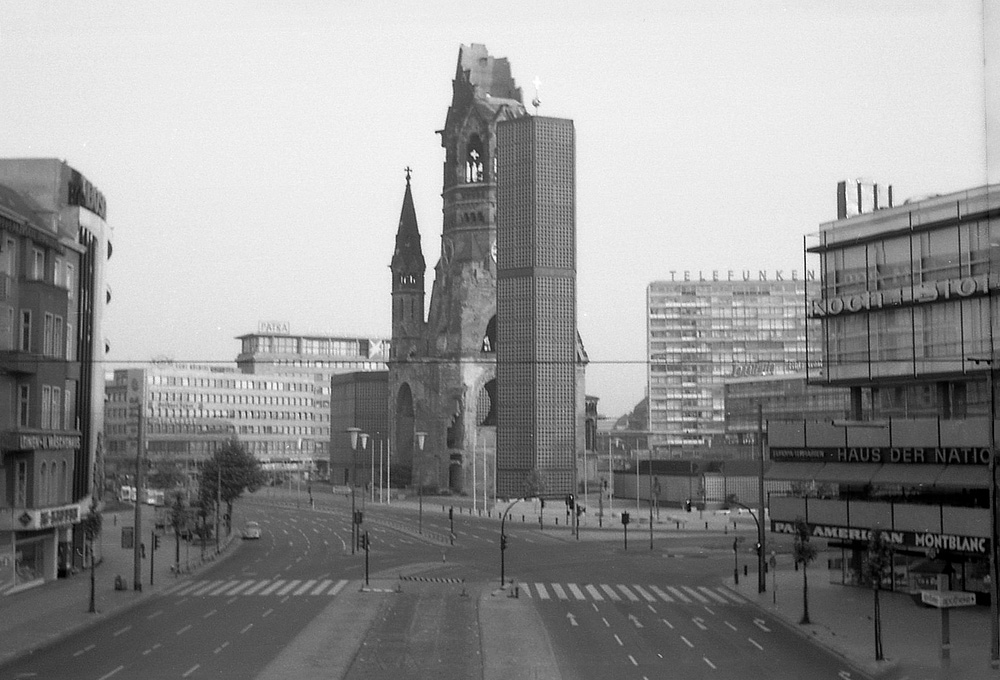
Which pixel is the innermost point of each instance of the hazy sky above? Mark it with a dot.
(252, 154)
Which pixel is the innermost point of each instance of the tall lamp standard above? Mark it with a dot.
(354, 434)
(421, 437)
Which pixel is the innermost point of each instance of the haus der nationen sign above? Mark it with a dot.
(901, 455)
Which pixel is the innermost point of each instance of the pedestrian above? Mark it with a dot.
(116, 519)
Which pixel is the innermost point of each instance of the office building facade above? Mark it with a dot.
(537, 360)
(54, 246)
(704, 328)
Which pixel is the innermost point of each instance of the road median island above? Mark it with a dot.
(514, 641)
(326, 648)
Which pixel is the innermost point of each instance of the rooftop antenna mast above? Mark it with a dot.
(536, 102)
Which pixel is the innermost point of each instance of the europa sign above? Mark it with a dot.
(928, 292)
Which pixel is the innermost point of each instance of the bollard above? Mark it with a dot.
(706, 526)
(744, 570)
(725, 529)
(557, 521)
(678, 524)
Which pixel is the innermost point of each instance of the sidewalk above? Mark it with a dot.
(842, 621)
(33, 618)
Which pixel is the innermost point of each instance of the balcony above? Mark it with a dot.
(16, 362)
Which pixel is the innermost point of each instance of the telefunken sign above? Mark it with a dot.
(928, 292)
(927, 540)
(741, 275)
(901, 455)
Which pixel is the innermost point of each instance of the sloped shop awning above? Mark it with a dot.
(911, 475)
(965, 477)
(846, 473)
(795, 472)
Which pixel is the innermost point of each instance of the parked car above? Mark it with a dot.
(251, 530)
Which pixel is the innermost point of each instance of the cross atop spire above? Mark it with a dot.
(408, 171)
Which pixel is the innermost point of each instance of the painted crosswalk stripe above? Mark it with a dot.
(560, 593)
(611, 592)
(323, 585)
(594, 592)
(628, 593)
(189, 587)
(290, 587)
(305, 586)
(679, 595)
(174, 588)
(663, 596)
(717, 598)
(257, 587)
(526, 590)
(577, 593)
(695, 594)
(225, 586)
(337, 588)
(242, 586)
(210, 586)
(274, 586)
(542, 593)
(639, 589)
(731, 596)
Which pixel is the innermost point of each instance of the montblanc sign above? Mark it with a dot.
(931, 542)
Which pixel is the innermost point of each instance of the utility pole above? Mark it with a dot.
(761, 578)
(137, 392)
(218, 500)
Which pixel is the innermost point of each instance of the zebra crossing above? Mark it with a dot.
(278, 587)
(603, 592)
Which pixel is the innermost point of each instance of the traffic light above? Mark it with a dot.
(451, 514)
(503, 541)
(687, 505)
(543, 503)
(757, 548)
(156, 542)
(625, 518)
(357, 517)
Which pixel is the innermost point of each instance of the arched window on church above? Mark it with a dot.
(474, 160)
(490, 339)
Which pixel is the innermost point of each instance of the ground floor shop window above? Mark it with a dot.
(29, 560)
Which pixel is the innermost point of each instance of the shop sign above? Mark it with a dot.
(742, 275)
(31, 520)
(86, 195)
(894, 455)
(25, 442)
(926, 540)
(927, 292)
(947, 598)
(274, 327)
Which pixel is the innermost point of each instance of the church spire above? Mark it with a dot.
(408, 257)
(408, 268)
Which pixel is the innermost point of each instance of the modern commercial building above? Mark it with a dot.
(54, 244)
(908, 316)
(537, 347)
(275, 399)
(704, 328)
(361, 400)
(443, 367)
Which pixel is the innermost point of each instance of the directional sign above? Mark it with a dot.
(635, 619)
(947, 598)
(572, 619)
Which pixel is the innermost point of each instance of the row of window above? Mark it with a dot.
(56, 412)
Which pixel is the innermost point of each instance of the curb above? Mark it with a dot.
(888, 670)
(100, 616)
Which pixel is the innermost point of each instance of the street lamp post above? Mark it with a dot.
(421, 437)
(355, 433)
(503, 541)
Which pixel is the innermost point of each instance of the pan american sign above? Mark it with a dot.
(931, 542)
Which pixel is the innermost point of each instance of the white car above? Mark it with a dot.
(251, 530)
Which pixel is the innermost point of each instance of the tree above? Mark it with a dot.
(91, 525)
(167, 475)
(803, 552)
(878, 562)
(227, 475)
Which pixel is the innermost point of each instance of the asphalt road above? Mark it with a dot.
(608, 612)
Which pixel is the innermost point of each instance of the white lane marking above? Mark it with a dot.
(189, 587)
(560, 593)
(191, 670)
(670, 625)
(594, 605)
(231, 600)
(710, 664)
(730, 625)
(642, 591)
(577, 593)
(201, 591)
(242, 586)
(663, 595)
(760, 624)
(305, 586)
(606, 624)
(687, 642)
(154, 614)
(619, 640)
(709, 610)
(337, 588)
(267, 613)
(635, 620)
(221, 647)
(542, 593)
(754, 643)
(184, 629)
(246, 628)
(651, 608)
(321, 587)
(151, 649)
(84, 650)
(632, 597)
(632, 659)
(181, 601)
(695, 594)
(700, 622)
(105, 677)
(611, 592)
(211, 613)
(123, 630)
(594, 593)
